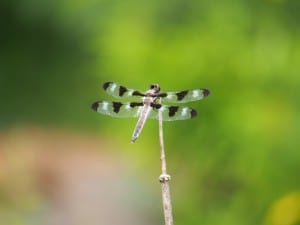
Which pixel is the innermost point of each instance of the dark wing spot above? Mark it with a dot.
(106, 85)
(117, 106)
(134, 104)
(137, 93)
(206, 92)
(162, 95)
(156, 106)
(193, 113)
(181, 95)
(173, 110)
(122, 90)
(95, 106)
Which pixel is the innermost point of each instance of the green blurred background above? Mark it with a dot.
(62, 163)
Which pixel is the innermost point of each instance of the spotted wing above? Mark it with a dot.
(134, 109)
(171, 113)
(185, 96)
(118, 91)
(118, 109)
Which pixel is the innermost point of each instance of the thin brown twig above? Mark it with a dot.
(164, 178)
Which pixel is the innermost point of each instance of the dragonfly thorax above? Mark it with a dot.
(148, 100)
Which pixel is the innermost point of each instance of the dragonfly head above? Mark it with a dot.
(155, 88)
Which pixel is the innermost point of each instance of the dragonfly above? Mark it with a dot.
(149, 105)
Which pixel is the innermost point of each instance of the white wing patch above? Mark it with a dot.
(129, 93)
(169, 96)
(113, 87)
(184, 111)
(105, 105)
(127, 106)
(195, 93)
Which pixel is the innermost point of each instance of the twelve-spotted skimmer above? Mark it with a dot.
(149, 106)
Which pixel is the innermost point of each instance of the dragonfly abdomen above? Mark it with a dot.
(141, 122)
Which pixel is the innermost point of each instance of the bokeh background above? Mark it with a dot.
(63, 164)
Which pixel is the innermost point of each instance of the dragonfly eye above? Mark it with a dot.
(155, 87)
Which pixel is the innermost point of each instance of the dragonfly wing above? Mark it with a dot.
(185, 96)
(171, 113)
(118, 109)
(118, 91)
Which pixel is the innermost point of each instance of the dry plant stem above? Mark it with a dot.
(164, 177)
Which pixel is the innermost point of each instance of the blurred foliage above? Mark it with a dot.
(232, 164)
